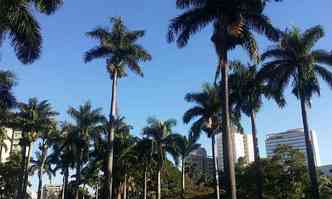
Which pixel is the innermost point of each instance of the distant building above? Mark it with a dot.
(293, 138)
(243, 148)
(52, 191)
(12, 143)
(201, 161)
(326, 170)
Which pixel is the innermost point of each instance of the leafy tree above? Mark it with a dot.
(233, 25)
(86, 120)
(163, 141)
(18, 22)
(247, 92)
(119, 48)
(293, 60)
(33, 117)
(7, 98)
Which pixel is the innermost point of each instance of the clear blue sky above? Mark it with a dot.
(61, 76)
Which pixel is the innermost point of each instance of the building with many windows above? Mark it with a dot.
(243, 148)
(12, 143)
(52, 191)
(293, 138)
(201, 161)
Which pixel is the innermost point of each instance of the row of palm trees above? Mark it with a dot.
(234, 24)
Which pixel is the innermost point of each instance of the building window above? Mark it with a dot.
(330, 170)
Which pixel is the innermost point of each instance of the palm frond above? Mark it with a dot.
(325, 74)
(192, 113)
(312, 35)
(99, 52)
(48, 7)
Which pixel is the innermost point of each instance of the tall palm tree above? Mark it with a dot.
(86, 120)
(206, 116)
(184, 147)
(48, 137)
(233, 23)
(163, 141)
(17, 21)
(294, 61)
(248, 90)
(120, 50)
(41, 166)
(33, 117)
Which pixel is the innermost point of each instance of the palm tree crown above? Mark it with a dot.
(119, 47)
(18, 23)
(294, 59)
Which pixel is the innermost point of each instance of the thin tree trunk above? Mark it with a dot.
(183, 176)
(21, 177)
(111, 136)
(215, 165)
(259, 172)
(125, 188)
(41, 170)
(159, 185)
(12, 142)
(78, 174)
(1, 153)
(65, 189)
(310, 153)
(26, 174)
(227, 137)
(145, 184)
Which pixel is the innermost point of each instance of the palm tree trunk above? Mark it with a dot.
(159, 185)
(183, 176)
(227, 137)
(310, 153)
(12, 142)
(41, 170)
(259, 172)
(215, 165)
(21, 177)
(111, 136)
(78, 174)
(1, 153)
(26, 172)
(125, 187)
(145, 183)
(65, 183)
(40, 184)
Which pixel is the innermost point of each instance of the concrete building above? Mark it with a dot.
(201, 161)
(243, 148)
(326, 170)
(12, 143)
(293, 138)
(52, 191)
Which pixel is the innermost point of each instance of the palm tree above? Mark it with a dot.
(206, 117)
(33, 117)
(294, 60)
(184, 147)
(18, 22)
(233, 23)
(7, 82)
(86, 121)
(41, 165)
(163, 141)
(48, 138)
(119, 48)
(144, 150)
(247, 90)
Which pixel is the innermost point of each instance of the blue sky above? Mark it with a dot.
(61, 76)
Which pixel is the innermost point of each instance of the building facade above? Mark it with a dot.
(243, 148)
(293, 138)
(326, 170)
(12, 143)
(200, 160)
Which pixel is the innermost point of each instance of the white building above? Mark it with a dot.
(12, 143)
(293, 138)
(326, 170)
(243, 148)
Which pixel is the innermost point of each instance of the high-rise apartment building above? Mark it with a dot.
(293, 138)
(201, 161)
(242, 148)
(52, 191)
(12, 143)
